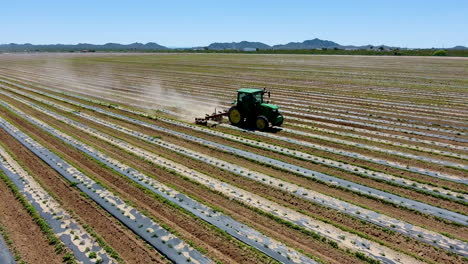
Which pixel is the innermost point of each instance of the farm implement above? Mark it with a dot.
(249, 108)
(215, 116)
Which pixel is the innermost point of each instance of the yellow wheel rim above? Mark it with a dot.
(235, 116)
(261, 124)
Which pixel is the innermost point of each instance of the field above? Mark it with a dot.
(101, 161)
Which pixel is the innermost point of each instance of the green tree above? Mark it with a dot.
(439, 53)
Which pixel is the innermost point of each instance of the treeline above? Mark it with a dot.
(415, 52)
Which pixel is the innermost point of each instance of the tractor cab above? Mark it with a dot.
(249, 98)
(250, 107)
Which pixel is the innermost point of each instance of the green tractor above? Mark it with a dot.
(250, 108)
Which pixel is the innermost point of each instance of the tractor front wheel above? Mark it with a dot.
(235, 116)
(261, 123)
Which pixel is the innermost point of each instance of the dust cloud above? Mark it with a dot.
(176, 101)
(123, 85)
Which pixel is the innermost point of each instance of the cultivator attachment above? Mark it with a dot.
(215, 116)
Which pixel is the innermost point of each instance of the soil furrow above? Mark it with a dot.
(255, 190)
(129, 247)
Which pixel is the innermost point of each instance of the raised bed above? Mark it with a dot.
(72, 234)
(95, 94)
(424, 208)
(373, 148)
(236, 229)
(169, 245)
(365, 214)
(315, 99)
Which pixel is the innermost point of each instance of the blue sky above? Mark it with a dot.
(197, 23)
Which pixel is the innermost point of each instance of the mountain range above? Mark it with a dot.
(151, 46)
(305, 45)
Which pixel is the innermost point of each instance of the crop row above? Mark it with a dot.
(204, 98)
(352, 242)
(154, 234)
(284, 98)
(199, 99)
(214, 94)
(368, 120)
(314, 96)
(377, 133)
(343, 166)
(289, 167)
(238, 230)
(383, 141)
(379, 161)
(356, 211)
(286, 101)
(305, 108)
(396, 129)
(381, 114)
(379, 102)
(308, 109)
(72, 234)
(340, 165)
(127, 95)
(373, 148)
(227, 83)
(94, 92)
(169, 121)
(222, 76)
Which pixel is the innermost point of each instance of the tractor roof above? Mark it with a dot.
(272, 106)
(249, 90)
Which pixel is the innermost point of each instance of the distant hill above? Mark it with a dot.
(313, 44)
(309, 44)
(12, 47)
(459, 48)
(238, 45)
(305, 45)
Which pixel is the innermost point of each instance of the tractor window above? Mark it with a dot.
(258, 98)
(241, 96)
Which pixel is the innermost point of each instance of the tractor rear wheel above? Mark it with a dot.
(261, 123)
(235, 116)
